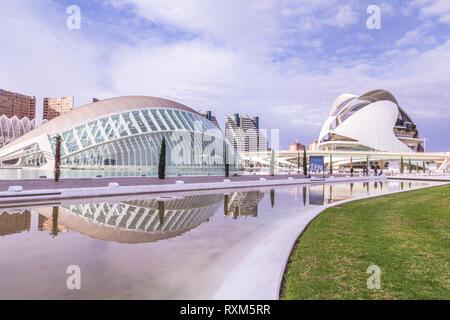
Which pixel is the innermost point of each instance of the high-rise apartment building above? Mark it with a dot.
(208, 115)
(16, 104)
(14, 222)
(54, 107)
(244, 134)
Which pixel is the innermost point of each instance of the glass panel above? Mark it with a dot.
(139, 121)
(69, 141)
(194, 121)
(119, 126)
(164, 115)
(131, 126)
(175, 119)
(185, 121)
(149, 120)
(158, 120)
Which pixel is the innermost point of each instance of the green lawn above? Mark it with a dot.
(405, 234)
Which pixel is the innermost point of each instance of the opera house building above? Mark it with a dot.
(125, 133)
(371, 122)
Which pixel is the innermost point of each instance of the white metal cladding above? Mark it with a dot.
(133, 139)
(373, 121)
(12, 128)
(144, 215)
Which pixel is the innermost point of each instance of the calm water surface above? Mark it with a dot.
(151, 248)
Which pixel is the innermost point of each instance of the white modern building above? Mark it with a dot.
(371, 122)
(124, 133)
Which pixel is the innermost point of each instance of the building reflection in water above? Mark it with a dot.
(137, 220)
(242, 204)
(317, 195)
(49, 224)
(11, 222)
(160, 218)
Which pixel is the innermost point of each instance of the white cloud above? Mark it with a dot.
(226, 66)
(345, 16)
(434, 8)
(42, 57)
(416, 36)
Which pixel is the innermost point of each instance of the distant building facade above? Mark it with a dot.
(209, 116)
(243, 204)
(54, 107)
(314, 146)
(243, 132)
(16, 104)
(297, 146)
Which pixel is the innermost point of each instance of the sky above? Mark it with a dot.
(285, 61)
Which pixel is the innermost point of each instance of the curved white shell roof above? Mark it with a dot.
(99, 109)
(367, 120)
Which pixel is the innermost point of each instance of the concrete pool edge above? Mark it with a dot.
(265, 267)
(27, 196)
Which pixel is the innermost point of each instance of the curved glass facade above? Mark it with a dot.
(132, 139)
(12, 128)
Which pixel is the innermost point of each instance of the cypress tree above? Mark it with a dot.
(331, 164)
(272, 164)
(423, 167)
(304, 196)
(367, 165)
(225, 205)
(227, 165)
(272, 197)
(305, 165)
(409, 165)
(161, 211)
(57, 171)
(298, 162)
(401, 165)
(162, 160)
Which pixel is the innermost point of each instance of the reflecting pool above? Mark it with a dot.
(167, 247)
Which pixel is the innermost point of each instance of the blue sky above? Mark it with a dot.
(283, 60)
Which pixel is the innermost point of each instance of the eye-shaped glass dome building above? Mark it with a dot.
(125, 133)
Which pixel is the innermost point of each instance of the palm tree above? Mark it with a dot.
(57, 171)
